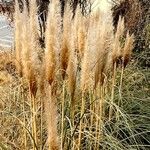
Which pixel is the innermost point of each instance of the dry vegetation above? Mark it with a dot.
(79, 92)
(136, 14)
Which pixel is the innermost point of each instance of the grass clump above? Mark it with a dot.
(82, 94)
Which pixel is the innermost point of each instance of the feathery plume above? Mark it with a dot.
(50, 53)
(82, 36)
(64, 54)
(72, 65)
(28, 69)
(101, 56)
(116, 51)
(34, 36)
(127, 50)
(18, 37)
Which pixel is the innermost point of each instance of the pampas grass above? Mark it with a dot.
(29, 70)
(116, 58)
(76, 79)
(126, 56)
(50, 72)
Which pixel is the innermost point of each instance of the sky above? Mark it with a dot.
(103, 5)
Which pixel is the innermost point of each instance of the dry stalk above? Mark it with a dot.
(116, 59)
(33, 24)
(62, 115)
(51, 118)
(50, 72)
(85, 82)
(112, 91)
(29, 70)
(127, 51)
(81, 120)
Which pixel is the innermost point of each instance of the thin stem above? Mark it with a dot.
(120, 91)
(81, 121)
(24, 120)
(112, 91)
(72, 111)
(72, 108)
(120, 87)
(97, 111)
(91, 116)
(62, 120)
(101, 105)
(41, 130)
(34, 119)
(32, 124)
